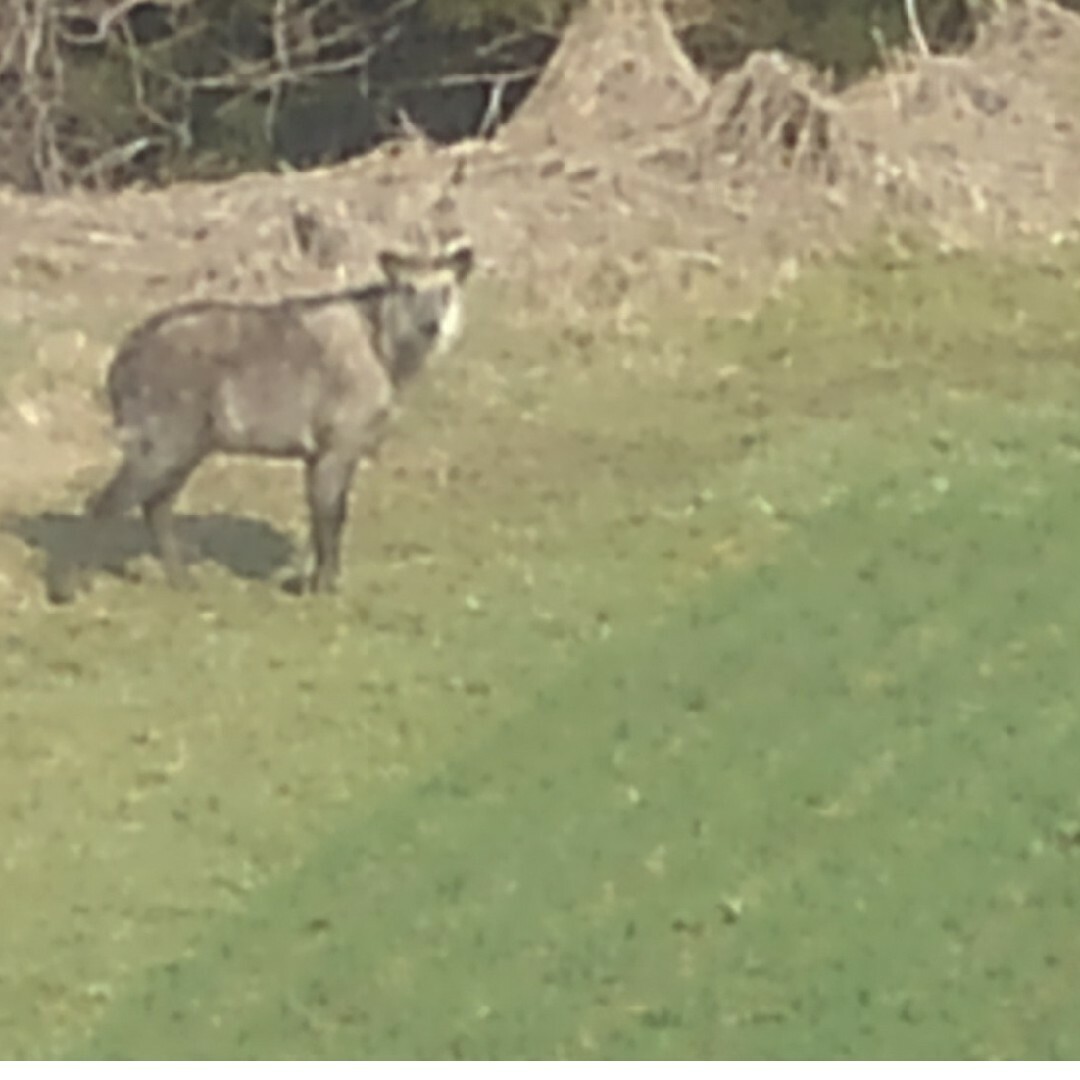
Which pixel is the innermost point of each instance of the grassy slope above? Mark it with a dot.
(700, 714)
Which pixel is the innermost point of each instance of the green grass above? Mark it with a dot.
(702, 712)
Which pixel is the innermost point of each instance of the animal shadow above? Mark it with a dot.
(246, 547)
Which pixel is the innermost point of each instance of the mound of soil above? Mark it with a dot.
(766, 123)
(1036, 39)
(623, 151)
(618, 72)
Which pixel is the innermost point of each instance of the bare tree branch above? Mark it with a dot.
(145, 93)
(915, 27)
(103, 21)
(41, 75)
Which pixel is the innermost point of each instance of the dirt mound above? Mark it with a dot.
(772, 122)
(622, 152)
(1037, 39)
(972, 146)
(619, 71)
(988, 150)
(773, 114)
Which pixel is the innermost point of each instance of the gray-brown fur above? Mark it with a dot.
(311, 378)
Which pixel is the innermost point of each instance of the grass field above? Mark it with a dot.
(708, 691)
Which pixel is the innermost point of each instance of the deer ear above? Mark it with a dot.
(461, 262)
(393, 265)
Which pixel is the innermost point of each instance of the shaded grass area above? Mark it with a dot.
(700, 690)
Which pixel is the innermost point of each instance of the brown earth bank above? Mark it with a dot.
(625, 171)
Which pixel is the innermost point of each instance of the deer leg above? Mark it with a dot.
(158, 513)
(328, 479)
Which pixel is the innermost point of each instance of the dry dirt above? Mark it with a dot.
(625, 168)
